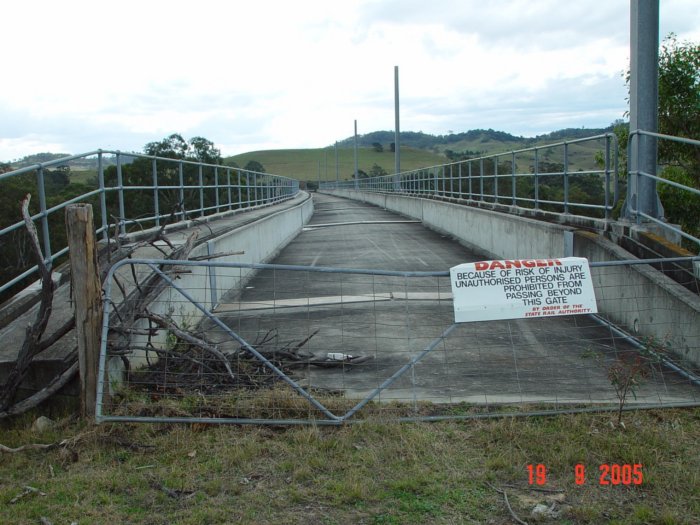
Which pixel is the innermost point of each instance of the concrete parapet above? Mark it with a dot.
(261, 233)
(638, 298)
(642, 300)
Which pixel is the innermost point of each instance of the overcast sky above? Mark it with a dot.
(80, 75)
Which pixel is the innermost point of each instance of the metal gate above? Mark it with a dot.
(216, 342)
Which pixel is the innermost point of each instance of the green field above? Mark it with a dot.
(307, 164)
(315, 164)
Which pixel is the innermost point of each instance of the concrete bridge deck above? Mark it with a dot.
(14, 318)
(562, 360)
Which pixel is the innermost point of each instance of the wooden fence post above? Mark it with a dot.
(87, 297)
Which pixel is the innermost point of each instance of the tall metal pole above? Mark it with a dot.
(644, 93)
(397, 133)
(357, 185)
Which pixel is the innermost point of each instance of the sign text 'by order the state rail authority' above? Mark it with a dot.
(512, 289)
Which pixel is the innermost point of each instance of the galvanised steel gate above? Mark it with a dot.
(257, 343)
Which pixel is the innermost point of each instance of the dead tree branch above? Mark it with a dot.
(168, 324)
(31, 345)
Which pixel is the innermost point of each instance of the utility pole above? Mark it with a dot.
(397, 132)
(644, 93)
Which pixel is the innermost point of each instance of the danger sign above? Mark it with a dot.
(512, 289)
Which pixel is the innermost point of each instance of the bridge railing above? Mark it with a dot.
(687, 194)
(551, 177)
(128, 190)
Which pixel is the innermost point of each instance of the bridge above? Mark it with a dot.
(351, 285)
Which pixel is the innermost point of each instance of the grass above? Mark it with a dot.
(312, 164)
(372, 472)
(303, 164)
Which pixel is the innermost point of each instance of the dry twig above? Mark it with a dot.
(510, 509)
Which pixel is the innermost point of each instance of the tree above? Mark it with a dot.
(204, 150)
(679, 103)
(173, 147)
(376, 146)
(254, 165)
(377, 171)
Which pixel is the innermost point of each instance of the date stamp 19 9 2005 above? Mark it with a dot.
(608, 474)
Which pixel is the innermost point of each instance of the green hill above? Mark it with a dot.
(419, 150)
(305, 164)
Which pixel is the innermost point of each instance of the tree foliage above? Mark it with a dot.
(377, 171)
(175, 147)
(254, 165)
(679, 103)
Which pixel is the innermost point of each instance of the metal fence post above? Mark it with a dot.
(481, 179)
(228, 186)
(513, 182)
(537, 180)
(471, 193)
(120, 195)
(566, 177)
(495, 179)
(181, 179)
(607, 177)
(156, 206)
(240, 189)
(103, 196)
(216, 190)
(200, 178)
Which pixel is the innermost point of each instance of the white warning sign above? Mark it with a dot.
(520, 288)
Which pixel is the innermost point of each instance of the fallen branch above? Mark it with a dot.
(215, 255)
(510, 509)
(168, 324)
(42, 395)
(31, 446)
(30, 346)
(27, 490)
(175, 494)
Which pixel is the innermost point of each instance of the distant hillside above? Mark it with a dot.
(418, 150)
(479, 141)
(308, 164)
(37, 158)
(75, 165)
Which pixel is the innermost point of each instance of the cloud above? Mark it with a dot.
(256, 75)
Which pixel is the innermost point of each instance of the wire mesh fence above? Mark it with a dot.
(276, 344)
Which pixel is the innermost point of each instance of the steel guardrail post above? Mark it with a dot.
(200, 178)
(537, 179)
(181, 179)
(120, 195)
(514, 201)
(566, 177)
(471, 193)
(481, 179)
(103, 196)
(495, 179)
(216, 190)
(228, 187)
(156, 204)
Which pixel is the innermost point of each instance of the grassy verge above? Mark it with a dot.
(372, 472)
